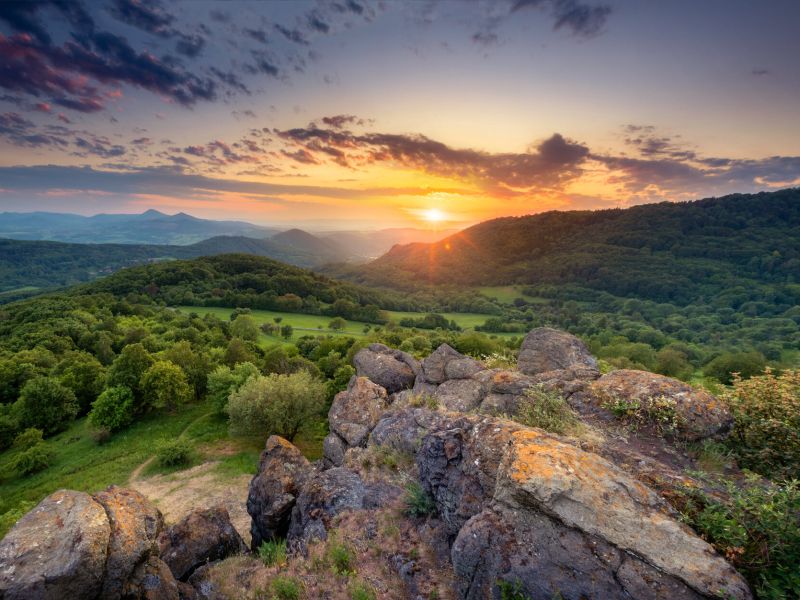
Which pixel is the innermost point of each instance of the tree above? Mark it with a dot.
(129, 367)
(238, 352)
(287, 331)
(194, 364)
(113, 410)
(223, 381)
(746, 364)
(337, 324)
(46, 404)
(85, 376)
(276, 404)
(165, 385)
(245, 327)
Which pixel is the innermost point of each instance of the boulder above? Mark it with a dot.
(322, 498)
(699, 414)
(200, 537)
(333, 449)
(356, 410)
(391, 369)
(403, 430)
(152, 580)
(135, 526)
(58, 550)
(546, 349)
(282, 472)
(446, 363)
(460, 395)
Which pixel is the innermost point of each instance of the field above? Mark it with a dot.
(318, 324)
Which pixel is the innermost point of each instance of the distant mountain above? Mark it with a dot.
(149, 227)
(304, 242)
(368, 245)
(668, 252)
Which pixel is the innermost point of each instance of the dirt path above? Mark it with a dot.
(202, 486)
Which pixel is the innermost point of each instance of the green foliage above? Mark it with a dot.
(276, 404)
(84, 375)
(511, 590)
(286, 588)
(36, 458)
(758, 530)
(164, 385)
(273, 553)
(129, 367)
(548, 410)
(113, 410)
(8, 430)
(173, 453)
(430, 321)
(340, 557)
(28, 438)
(9, 518)
(746, 364)
(766, 431)
(361, 590)
(238, 351)
(245, 327)
(337, 323)
(418, 502)
(46, 404)
(223, 381)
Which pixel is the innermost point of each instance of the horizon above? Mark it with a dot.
(365, 116)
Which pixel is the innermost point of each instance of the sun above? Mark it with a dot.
(433, 215)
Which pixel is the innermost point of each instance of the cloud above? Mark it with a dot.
(293, 35)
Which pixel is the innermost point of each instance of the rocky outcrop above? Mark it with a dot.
(391, 369)
(152, 580)
(57, 550)
(356, 410)
(697, 413)
(446, 363)
(282, 472)
(545, 349)
(200, 537)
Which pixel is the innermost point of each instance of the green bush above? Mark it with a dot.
(276, 404)
(746, 364)
(273, 553)
(766, 430)
(8, 431)
(46, 404)
(418, 502)
(361, 590)
(29, 438)
(36, 458)
(223, 381)
(548, 410)
(286, 588)
(173, 453)
(758, 530)
(340, 558)
(113, 410)
(164, 385)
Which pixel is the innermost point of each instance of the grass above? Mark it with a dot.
(273, 553)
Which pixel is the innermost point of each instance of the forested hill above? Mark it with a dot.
(668, 252)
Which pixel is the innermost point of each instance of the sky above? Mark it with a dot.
(354, 114)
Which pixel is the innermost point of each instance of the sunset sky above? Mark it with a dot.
(356, 114)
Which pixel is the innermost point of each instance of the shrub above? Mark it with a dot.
(36, 458)
(223, 381)
(244, 327)
(8, 431)
(547, 410)
(113, 410)
(276, 404)
(746, 364)
(361, 590)
(286, 588)
(766, 431)
(273, 553)
(512, 591)
(758, 530)
(164, 385)
(340, 558)
(28, 438)
(418, 502)
(172, 453)
(47, 405)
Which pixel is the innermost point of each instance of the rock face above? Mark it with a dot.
(57, 550)
(282, 472)
(545, 349)
(526, 507)
(200, 537)
(356, 410)
(446, 363)
(391, 369)
(699, 414)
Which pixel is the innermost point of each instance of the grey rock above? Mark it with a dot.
(447, 363)
(333, 449)
(461, 395)
(546, 349)
(202, 536)
(57, 550)
(356, 410)
(392, 369)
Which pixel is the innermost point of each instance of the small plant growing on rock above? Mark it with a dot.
(286, 588)
(173, 453)
(361, 590)
(428, 401)
(511, 590)
(547, 410)
(273, 553)
(499, 360)
(340, 557)
(418, 501)
(621, 408)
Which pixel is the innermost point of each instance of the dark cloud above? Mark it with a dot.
(316, 23)
(340, 121)
(760, 72)
(21, 132)
(263, 64)
(258, 35)
(147, 15)
(220, 16)
(98, 147)
(293, 35)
